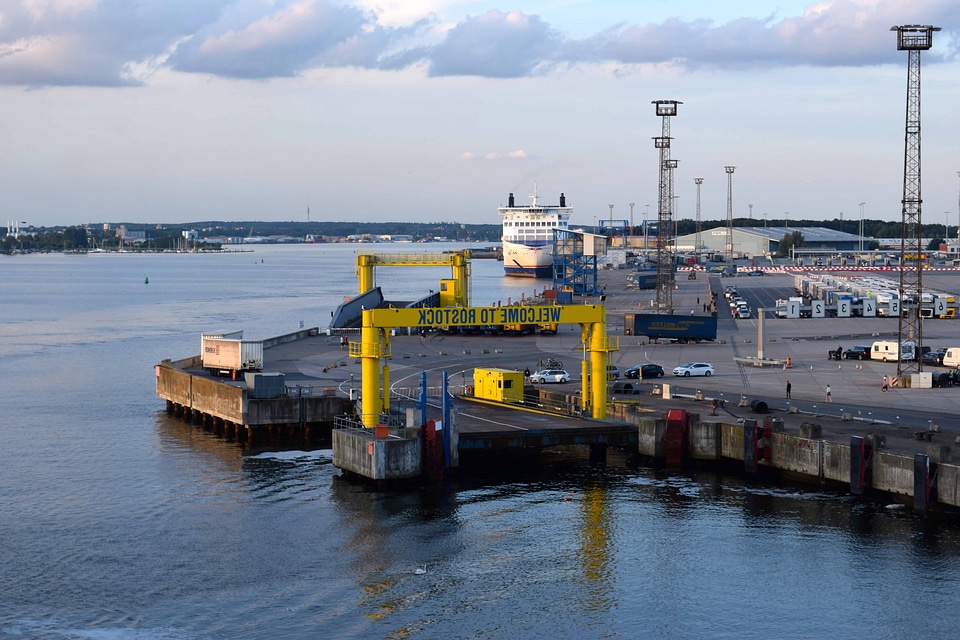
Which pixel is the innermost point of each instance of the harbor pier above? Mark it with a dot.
(894, 445)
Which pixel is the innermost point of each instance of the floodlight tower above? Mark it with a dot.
(698, 241)
(665, 281)
(913, 39)
(729, 247)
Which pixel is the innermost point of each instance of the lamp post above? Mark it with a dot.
(646, 213)
(786, 219)
(861, 226)
(764, 220)
(750, 206)
(631, 218)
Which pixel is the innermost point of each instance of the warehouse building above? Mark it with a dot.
(760, 241)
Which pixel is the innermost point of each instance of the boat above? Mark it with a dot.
(527, 235)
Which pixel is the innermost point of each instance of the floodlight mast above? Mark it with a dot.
(729, 246)
(698, 242)
(913, 39)
(665, 261)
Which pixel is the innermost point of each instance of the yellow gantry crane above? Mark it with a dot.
(454, 311)
(454, 292)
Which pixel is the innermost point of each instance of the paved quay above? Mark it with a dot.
(858, 405)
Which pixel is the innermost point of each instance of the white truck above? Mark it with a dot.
(229, 354)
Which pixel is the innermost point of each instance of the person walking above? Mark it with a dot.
(788, 390)
(829, 396)
(884, 386)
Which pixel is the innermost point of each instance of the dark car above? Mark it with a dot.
(934, 357)
(647, 371)
(857, 353)
(941, 379)
(755, 272)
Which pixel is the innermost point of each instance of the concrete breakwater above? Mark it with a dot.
(861, 464)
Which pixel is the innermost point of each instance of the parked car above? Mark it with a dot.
(550, 375)
(613, 372)
(934, 357)
(858, 352)
(755, 272)
(941, 379)
(644, 371)
(694, 369)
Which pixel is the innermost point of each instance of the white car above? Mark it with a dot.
(694, 369)
(550, 375)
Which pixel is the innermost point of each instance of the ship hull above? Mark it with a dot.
(527, 261)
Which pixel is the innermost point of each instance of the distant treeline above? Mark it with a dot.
(170, 236)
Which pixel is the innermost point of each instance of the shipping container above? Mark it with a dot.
(676, 327)
(229, 356)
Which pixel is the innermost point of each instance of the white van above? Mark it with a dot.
(889, 351)
(951, 357)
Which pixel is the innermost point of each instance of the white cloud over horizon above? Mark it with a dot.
(178, 110)
(91, 42)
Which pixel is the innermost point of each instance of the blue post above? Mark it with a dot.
(423, 398)
(446, 421)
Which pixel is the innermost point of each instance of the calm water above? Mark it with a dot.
(118, 522)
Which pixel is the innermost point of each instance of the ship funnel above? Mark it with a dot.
(510, 201)
(563, 200)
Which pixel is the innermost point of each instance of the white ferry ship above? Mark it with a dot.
(528, 235)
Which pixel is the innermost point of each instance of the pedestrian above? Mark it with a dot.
(423, 337)
(691, 311)
(698, 299)
(342, 342)
(788, 389)
(829, 397)
(885, 384)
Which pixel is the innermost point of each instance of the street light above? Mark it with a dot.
(786, 219)
(645, 229)
(862, 204)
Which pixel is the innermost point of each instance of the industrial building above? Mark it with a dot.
(759, 241)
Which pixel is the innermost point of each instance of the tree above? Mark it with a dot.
(934, 244)
(790, 240)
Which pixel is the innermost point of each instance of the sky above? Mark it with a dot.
(171, 111)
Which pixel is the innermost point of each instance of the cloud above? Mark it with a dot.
(518, 154)
(838, 33)
(90, 42)
(495, 45)
(260, 40)
(119, 42)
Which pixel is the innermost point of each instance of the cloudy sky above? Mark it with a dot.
(434, 110)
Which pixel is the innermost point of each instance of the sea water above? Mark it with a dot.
(118, 521)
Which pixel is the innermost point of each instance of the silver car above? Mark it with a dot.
(694, 369)
(550, 375)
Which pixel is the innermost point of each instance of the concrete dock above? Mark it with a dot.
(890, 437)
